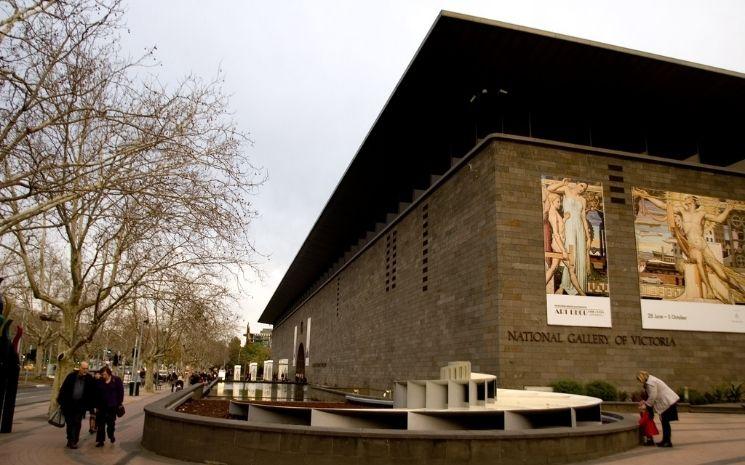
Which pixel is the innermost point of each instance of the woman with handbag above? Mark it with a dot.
(110, 399)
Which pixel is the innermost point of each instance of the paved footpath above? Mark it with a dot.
(35, 442)
(699, 438)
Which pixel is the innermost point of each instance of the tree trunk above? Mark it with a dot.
(39, 362)
(149, 363)
(155, 368)
(64, 367)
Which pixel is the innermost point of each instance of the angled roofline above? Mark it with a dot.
(588, 42)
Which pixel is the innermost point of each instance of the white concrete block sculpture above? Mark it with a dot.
(268, 370)
(457, 388)
(253, 367)
(282, 372)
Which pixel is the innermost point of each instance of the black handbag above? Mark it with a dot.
(57, 418)
(120, 411)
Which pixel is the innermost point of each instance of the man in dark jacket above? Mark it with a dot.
(76, 395)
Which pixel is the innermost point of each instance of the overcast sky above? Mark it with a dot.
(308, 78)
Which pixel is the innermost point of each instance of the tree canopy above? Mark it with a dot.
(124, 202)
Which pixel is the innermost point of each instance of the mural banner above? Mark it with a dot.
(691, 261)
(574, 251)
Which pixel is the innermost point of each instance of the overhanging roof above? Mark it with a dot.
(473, 76)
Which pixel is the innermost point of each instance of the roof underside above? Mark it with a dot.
(472, 77)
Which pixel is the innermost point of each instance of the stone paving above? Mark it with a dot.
(34, 442)
(699, 439)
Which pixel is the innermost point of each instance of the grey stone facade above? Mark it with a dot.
(475, 242)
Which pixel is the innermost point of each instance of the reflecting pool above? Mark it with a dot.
(282, 392)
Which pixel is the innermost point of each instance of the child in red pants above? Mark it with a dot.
(646, 422)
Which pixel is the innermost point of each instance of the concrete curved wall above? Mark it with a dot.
(194, 438)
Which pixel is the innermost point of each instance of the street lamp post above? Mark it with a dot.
(132, 378)
(135, 389)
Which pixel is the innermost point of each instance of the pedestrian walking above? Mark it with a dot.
(109, 399)
(76, 395)
(172, 378)
(92, 416)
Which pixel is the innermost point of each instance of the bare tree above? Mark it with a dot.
(39, 320)
(138, 180)
(118, 333)
(16, 12)
(47, 50)
(40, 330)
(175, 308)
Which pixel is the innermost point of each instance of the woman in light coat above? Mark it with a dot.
(664, 401)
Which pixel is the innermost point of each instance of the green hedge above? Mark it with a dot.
(602, 390)
(732, 392)
(568, 386)
(723, 393)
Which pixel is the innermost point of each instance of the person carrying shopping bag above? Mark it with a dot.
(76, 395)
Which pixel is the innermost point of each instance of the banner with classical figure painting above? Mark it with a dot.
(575, 258)
(691, 261)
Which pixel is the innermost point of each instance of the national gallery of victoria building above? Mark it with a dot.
(542, 206)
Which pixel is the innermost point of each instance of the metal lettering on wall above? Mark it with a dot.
(590, 338)
(574, 250)
(691, 261)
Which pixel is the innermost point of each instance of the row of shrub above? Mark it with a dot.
(724, 393)
(599, 389)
